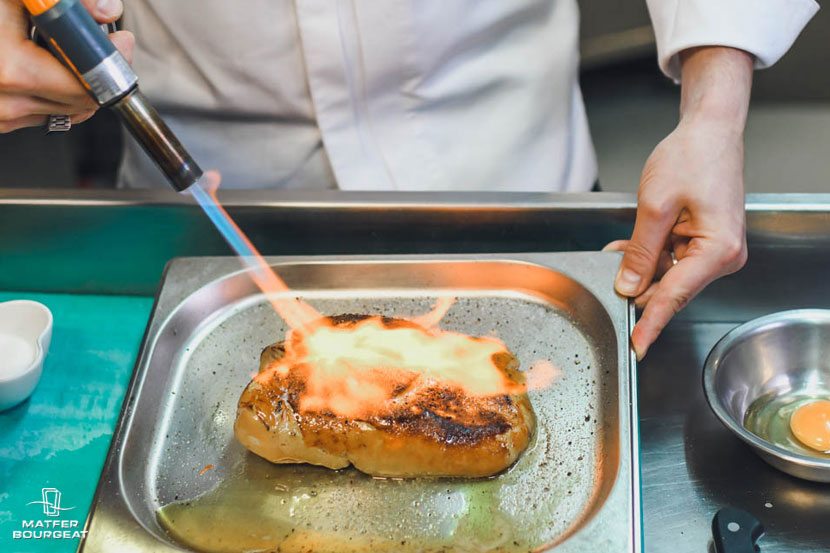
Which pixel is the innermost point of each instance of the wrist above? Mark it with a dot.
(724, 119)
(716, 84)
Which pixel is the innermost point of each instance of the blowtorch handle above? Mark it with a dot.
(75, 37)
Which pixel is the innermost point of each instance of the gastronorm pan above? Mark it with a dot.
(176, 478)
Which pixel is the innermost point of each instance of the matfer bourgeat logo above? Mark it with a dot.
(52, 528)
(51, 502)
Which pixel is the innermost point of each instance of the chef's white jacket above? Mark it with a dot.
(400, 94)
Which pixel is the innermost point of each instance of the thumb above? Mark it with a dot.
(104, 11)
(639, 262)
(680, 284)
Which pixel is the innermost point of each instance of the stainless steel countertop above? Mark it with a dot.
(118, 242)
(692, 466)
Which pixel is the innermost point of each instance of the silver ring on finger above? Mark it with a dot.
(673, 259)
(58, 124)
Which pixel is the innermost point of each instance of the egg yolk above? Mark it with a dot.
(811, 425)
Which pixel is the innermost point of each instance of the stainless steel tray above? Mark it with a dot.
(575, 489)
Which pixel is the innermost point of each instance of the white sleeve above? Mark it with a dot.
(764, 28)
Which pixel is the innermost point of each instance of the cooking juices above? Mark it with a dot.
(300, 508)
(261, 507)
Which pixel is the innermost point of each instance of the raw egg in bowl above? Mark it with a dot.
(768, 381)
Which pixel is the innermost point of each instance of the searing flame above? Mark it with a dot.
(541, 375)
(298, 314)
(431, 319)
(352, 368)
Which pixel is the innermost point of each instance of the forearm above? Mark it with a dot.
(716, 83)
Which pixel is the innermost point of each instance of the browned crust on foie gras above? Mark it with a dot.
(422, 429)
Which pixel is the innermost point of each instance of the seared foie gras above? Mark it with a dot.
(392, 419)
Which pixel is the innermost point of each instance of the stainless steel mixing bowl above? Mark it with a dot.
(777, 354)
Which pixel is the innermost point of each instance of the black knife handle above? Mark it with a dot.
(736, 531)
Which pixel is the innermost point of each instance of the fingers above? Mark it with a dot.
(616, 246)
(39, 121)
(664, 261)
(33, 71)
(642, 253)
(22, 122)
(679, 282)
(124, 41)
(78, 119)
(17, 112)
(678, 286)
(642, 300)
(33, 83)
(104, 11)
(13, 106)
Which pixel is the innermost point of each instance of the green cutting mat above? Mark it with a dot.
(60, 436)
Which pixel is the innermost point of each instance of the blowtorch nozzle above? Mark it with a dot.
(77, 40)
(156, 138)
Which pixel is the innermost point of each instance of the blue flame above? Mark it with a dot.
(223, 224)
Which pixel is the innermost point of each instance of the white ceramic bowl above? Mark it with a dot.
(25, 333)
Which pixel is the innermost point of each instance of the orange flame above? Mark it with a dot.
(352, 368)
(297, 313)
(541, 375)
(431, 319)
